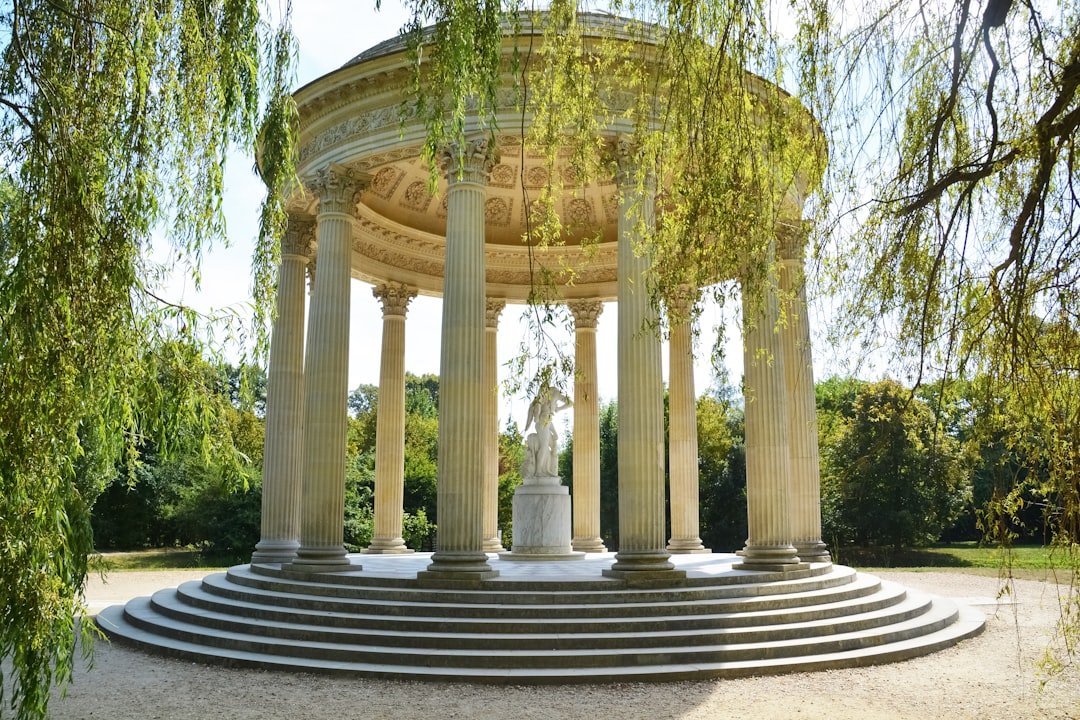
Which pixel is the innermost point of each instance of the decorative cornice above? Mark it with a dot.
(585, 312)
(394, 297)
(492, 311)
(338, 187)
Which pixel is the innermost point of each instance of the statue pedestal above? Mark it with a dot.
(542, 526)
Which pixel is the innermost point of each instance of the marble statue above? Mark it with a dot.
(542, 447)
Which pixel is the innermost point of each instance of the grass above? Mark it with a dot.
(1035, 562)
(1027, 562)
(162, 559)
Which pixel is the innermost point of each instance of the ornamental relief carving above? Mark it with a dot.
(388, 257)
(416, 197)
(360, 89)
(386, 181)
(579, 212)
(497, 211)
(503, 176)
(611, 208)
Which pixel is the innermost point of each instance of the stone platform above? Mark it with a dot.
(541, 622)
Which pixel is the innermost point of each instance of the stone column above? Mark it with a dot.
(768, 462)
(326, 375)
(642, 553)
(586, 428)
(492, 542)
(283, 446)
(390, 422)
(682, 428)
(459, 553)
(802, 406)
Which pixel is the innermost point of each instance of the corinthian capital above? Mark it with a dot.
(338, 187)
(394, 297)
(585, 312)
(492, 311)
(680, 301)
(299, 235)
(790, 242)
(470, 162)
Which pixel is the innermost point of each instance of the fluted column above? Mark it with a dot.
(283, 446)
(492, 542)
(459, 553)
(768, 463)
(326, 375)
(586, 428)
(390, 422)
(802, 406)
(641, 393)
(682, 427)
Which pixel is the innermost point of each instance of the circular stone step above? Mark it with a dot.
(546, 622)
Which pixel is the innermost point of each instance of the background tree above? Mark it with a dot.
(511, 455)
(894, 479)
(721, 470)
(609, 475)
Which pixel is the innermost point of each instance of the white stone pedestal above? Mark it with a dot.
(542, 522)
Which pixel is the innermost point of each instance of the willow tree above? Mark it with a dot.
(946, 225)
(957, 234)
(115, 120)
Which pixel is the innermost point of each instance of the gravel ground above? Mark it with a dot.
(994, 675)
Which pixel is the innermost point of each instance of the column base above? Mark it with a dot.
(645, 570)
(653, 563)
(332, 558)
(588, 545)
(813, 552)
(493, 545)
(457, 569)
(274, 551)
(387, 546)
(770, 558)
(686, 546)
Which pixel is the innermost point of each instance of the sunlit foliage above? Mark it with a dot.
(115, 120)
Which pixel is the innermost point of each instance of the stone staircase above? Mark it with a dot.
(561, 623)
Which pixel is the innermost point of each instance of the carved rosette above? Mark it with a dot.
(470, 164)
(299, 236)
(394, 297)
(585, 312)
(338, 188)
(493, 310)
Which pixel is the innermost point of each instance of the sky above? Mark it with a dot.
(329, 33)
